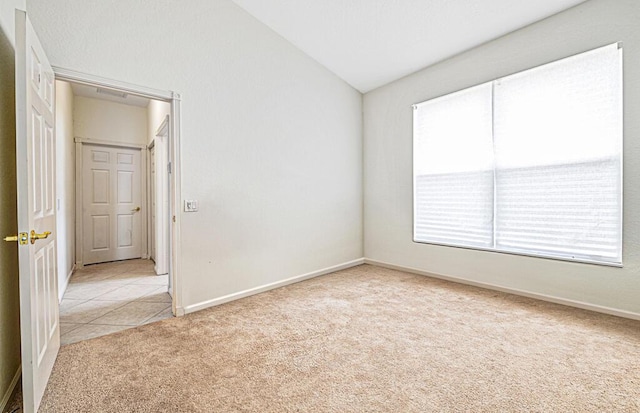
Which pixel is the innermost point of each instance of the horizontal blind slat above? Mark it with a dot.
(533, 215)
(454, 208)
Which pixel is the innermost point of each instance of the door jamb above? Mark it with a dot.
(160, 140)
(174, 100)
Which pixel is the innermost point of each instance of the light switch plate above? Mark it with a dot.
(190, 206)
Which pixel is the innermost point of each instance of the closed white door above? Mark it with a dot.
(111, 198)
(152, 201)
(35, 158)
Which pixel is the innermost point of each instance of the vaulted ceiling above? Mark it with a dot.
(369, 43)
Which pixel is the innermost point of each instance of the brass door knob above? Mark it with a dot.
(35, 236)
(136, 209)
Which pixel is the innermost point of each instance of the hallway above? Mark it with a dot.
(105, 298)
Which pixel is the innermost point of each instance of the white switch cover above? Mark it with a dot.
(190, 206)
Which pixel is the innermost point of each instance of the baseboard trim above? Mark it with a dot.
(12, 387)
(66, 283)
(537, 296)
(257, 290)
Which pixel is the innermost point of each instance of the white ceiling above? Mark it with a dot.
(369, 43)
(92, 92)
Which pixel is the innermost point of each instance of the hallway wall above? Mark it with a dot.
(109, 121)
(65, 185)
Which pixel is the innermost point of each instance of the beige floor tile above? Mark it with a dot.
(112, 297)
(81, 277)
(127, 292)
(68, 303)
(88, 311)
(152, 280)
(131, 278)
(88, 331)
(163, 315)
(68, 327)
(159, 295)
(89, 292)
(131, 314)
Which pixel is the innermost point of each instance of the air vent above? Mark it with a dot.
(110, 92)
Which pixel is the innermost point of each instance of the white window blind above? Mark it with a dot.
(530, 163)
(453, 167)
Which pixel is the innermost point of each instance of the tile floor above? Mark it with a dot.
(105, 298)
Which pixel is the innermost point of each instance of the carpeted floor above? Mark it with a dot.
(365, 339)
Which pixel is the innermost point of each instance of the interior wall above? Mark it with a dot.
(9, 291)
(104, 120)
(65, 185)
(388, 160)
(271, 140)
(156, 113)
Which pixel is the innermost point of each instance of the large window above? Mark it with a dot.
(529, 164)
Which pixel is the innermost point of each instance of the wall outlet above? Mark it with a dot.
(190, 206)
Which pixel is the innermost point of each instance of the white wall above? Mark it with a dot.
(109, 121)
(156, 113)
(65, 185)
(272, 141)
(9, 292)
(388, 159)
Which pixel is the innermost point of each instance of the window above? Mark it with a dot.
(527, 164)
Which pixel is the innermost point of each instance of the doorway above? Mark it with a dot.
(115, 281)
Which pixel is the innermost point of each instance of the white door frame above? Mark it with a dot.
(151, 188)
(160, 146)
(80, 193)
(174, 100)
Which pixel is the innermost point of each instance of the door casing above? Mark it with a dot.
(174, 139)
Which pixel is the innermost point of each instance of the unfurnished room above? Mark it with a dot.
(319, 206)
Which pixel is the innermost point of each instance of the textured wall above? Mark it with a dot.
(9, 297)
(65, 184)
(156, 112)
(109, 121)
(388, 159)
(272, 142)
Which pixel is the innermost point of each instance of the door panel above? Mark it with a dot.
(100, 232)
(125, 187)
(111, 188)
(125, 230)
(35, 156)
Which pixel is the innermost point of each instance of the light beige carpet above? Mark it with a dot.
(360, 340)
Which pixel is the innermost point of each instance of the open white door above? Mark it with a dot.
(35, 153)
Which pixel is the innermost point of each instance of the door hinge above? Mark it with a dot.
(169, 167)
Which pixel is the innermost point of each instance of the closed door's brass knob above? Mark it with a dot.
(136, 209)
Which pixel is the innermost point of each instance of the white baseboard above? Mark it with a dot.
(62, 290)
(246, 293)
(542, 297)
(12, 386)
